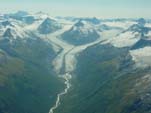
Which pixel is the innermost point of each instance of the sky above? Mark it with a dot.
(82, 8)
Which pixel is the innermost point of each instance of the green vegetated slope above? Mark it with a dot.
(27, 81)
(106, 81)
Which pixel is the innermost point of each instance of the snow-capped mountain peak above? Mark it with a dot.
(80, 33)
(131, 36)
(8, 33)
(83, 27)
(48, 26)
(80, 23)
(6, 23)
(139, 28)
(14, 33)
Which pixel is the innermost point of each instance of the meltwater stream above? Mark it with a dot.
(67, 77)
(65, 62)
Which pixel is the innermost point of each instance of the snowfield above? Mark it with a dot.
(126, 39)
(142, 56)
(124, 25)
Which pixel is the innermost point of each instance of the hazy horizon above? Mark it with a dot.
(83, 8)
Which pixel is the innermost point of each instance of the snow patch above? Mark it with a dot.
(148, 35)
(141, 56)
(126, 39)
(148, 25)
